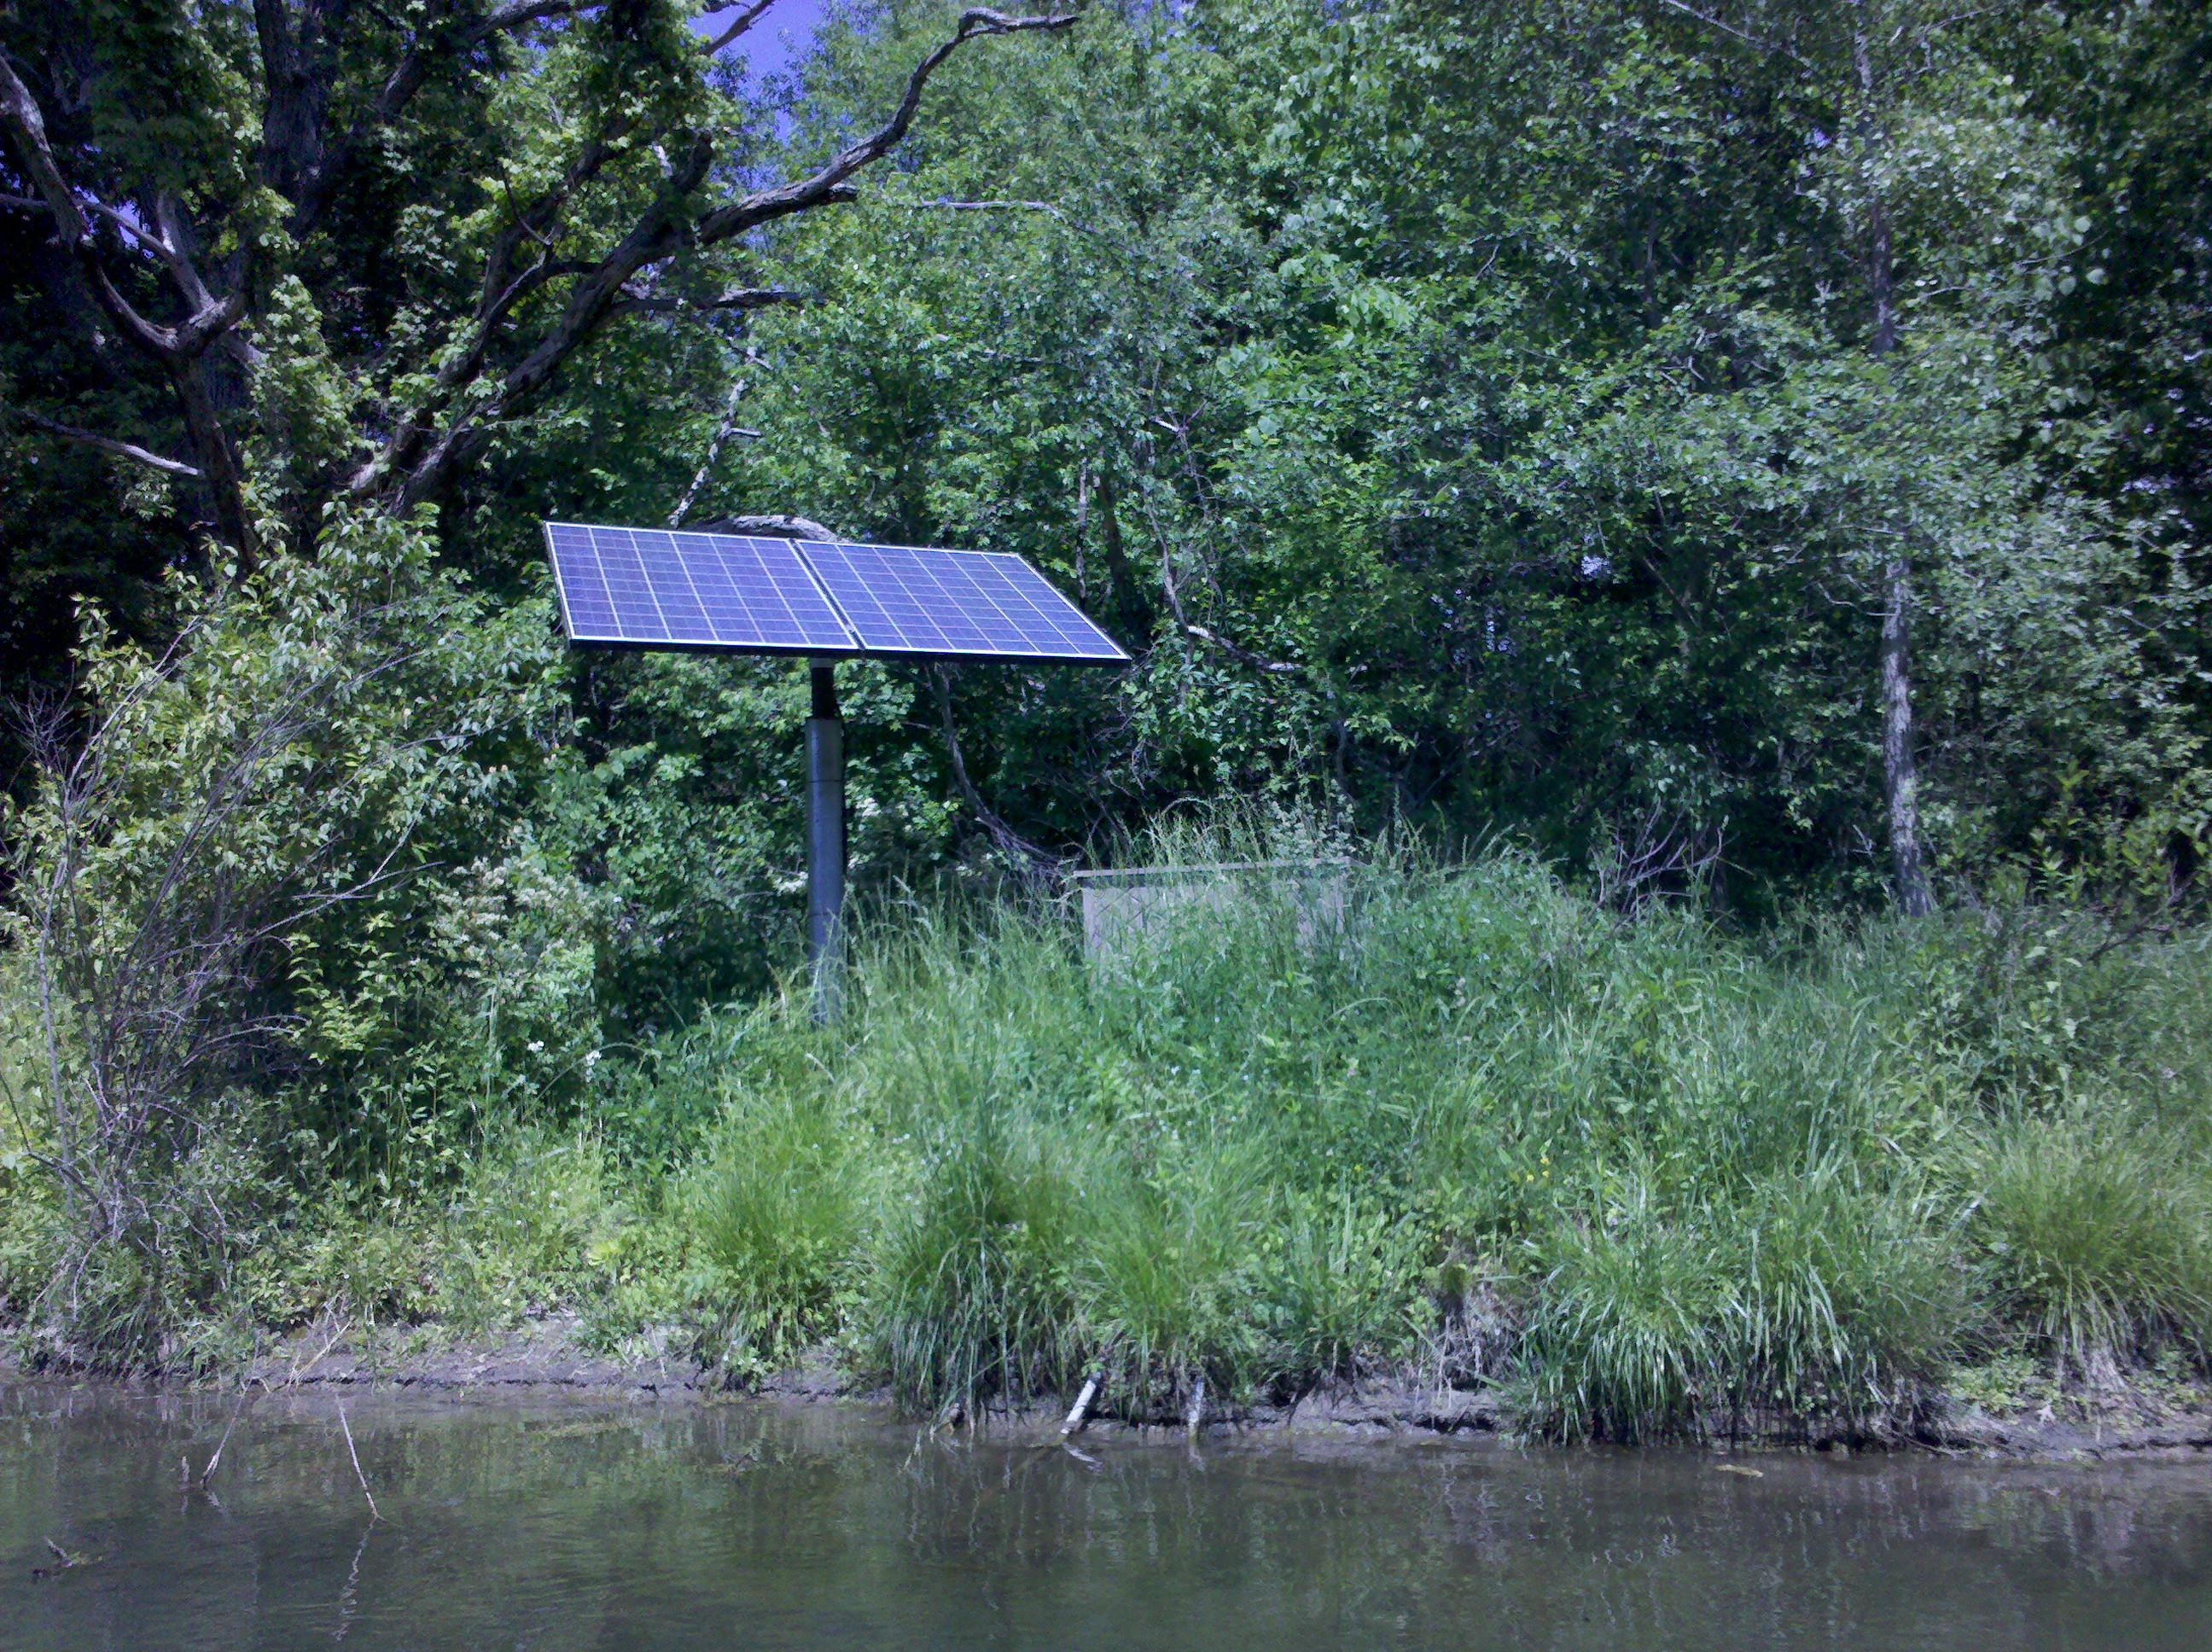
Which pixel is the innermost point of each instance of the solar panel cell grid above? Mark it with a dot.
(587, 608)
(905, 600)
(649, 587)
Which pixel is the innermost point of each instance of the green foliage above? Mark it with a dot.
(1847, 1300)
(1158, 1290)
(1336, 1293)
(528, 1225)
(273, 847)
(1456, 371)
(1807, 1298)
(1480, 422)
(539, 1222)
(1624, 1343)
(31, 1231)
(1721, 1182)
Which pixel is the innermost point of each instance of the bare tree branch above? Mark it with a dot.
(178, 349)
(1242, 656)
(769, 527)
(722, 434)
(1773, 46)
(130, 451)
(944, 205)
(1008, 839)
(738, 298)
(305, 161)
(26, 124)
(665, 229)
(746, 19)
(815, 190)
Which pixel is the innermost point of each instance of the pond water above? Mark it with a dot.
(559, 1526)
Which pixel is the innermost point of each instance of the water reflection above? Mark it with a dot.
(552, 1526)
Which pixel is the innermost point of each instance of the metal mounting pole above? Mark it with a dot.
(825, 843)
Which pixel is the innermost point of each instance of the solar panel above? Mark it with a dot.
(905, 600)
(661, 588)
(655, 588)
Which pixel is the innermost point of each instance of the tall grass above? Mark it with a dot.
(1709, 1180)
(2099, 1238)
(972, 1282)
(779, 1212)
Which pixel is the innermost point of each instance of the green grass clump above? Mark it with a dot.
(1339, 1282)
(972, 1282)
(1161, 1259)
(1624, 1336)
(1804, 1300)
(1845, 1302)
(778, 1213)
(2098, 1236)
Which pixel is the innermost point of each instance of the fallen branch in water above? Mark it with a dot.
(207, 1474)
(373, 1512)
(1081, 1412)
(70, 1561)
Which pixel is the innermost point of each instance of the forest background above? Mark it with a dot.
(1752, 455)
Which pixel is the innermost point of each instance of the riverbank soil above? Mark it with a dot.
(2009, 1409)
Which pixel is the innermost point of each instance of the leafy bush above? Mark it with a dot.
(231, 870)
(522, 1228)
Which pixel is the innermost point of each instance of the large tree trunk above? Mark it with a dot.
(1900, 782)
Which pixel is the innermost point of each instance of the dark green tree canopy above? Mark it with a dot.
(354, 246)
(1764, 438)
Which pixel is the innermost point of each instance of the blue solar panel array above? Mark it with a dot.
(653, 587)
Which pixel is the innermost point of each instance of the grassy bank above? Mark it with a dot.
(1646, 1178)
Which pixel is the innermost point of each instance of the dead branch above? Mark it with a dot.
(1657, 846)
(1008, 839)
(374, 1514)
(769, 527)
(745, 19)
(1242, 656)
(130, 451)
(737, 298)
(942, 204)
(723, 432)
(1729, 29)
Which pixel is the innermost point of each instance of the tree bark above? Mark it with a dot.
(1900, 782)
(1900, 773)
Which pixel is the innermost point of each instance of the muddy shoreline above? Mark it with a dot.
(545, 1359)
